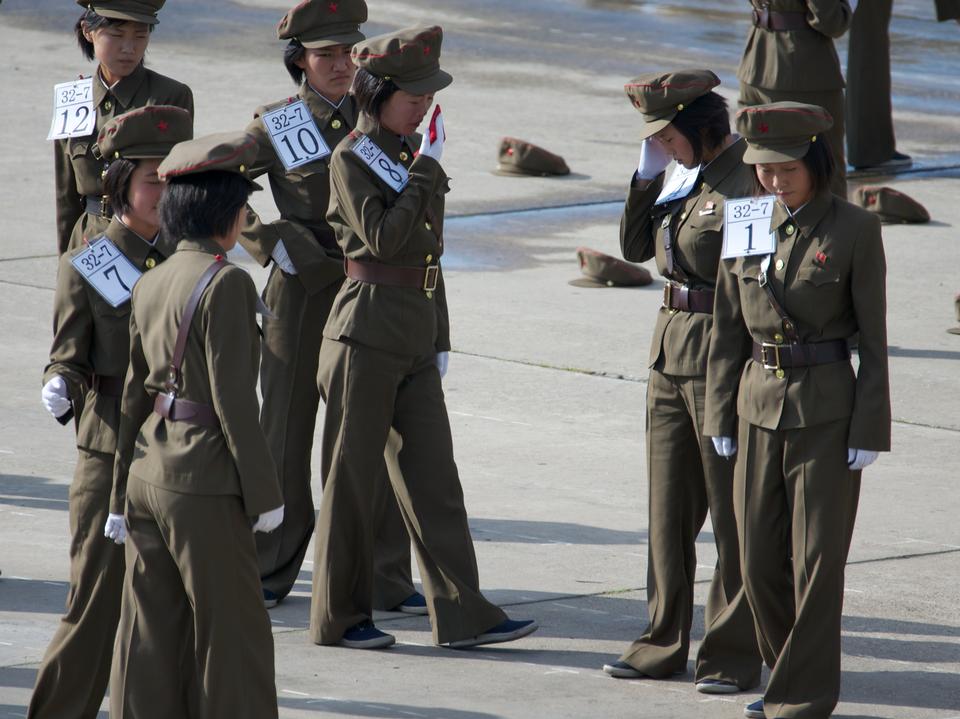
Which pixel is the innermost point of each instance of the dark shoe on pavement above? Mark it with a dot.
(270, 600)
(366, 636)
(716, 686)
(416, 603)
(754, 710)
(505, 631)
(897, 161)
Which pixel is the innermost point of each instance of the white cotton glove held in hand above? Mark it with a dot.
(115, 528)
(860, 458)
(434, 137)
(268, 521)
(282, 259)
(55, 398)
(443, 362)
(853, 5)
(725, 446)
(653, 159)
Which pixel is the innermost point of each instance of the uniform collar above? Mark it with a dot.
(386, 141)
(807, 217)
(323, 110)
(200, 244)
(724, 163)
(123, 90)
(133, 246)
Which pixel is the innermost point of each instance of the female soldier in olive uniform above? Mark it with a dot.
(382, 358)
(686, 122)
(89, 358)
(115, 33)
(807, 423)
(790, 56)
(307, 273)
(192, 466)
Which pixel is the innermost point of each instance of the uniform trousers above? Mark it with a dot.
(368, 391)
(75, 669)
(194, 638)
(288, 380)
(686, 478)
(796, 503)
(870, 137)
(829, 100)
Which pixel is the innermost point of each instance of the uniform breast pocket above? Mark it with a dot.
(77, 148)
(312, 183)
(707, 239)
(817, 281)
(111, 322)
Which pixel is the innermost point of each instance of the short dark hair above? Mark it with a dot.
(116, 184)
(94, 21)
(293, 52)
(819, 163)
(371, 92)
(204, 204)
(705, 123)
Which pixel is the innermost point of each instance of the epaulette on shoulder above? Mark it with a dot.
(272, 106)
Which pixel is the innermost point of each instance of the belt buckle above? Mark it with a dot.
(430, 276)
(668, 295)
(764, 346)
(105, 206)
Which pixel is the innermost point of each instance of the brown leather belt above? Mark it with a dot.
(774, 357)
(681, 297)
(780, 21)
(183, 410)
(107, 386)
(96, 205)
(376, 273)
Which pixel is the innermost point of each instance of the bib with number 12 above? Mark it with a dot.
(393, 173)
(746, 227)
(295, 135)
(107, 270)
(73, 111)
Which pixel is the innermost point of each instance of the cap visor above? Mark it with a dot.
(351, 39)
(256, 187)
(590, 283)
(129, 16)
(433, 83)
(650, 129)
(766, 155)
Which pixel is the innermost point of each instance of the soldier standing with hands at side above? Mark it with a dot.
(295, 138)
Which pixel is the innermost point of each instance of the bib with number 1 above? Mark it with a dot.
(107, 270)
(73, 111)
(393, 173)
(746, 227)
(295, 135)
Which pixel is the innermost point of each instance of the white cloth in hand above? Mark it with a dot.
(268, 521)
(725, 446)
(282, 259)
(853, 5)
(115, 528)
(55, 398)
(860, 458)
(443, 362)
(434, 148)
(653, 159)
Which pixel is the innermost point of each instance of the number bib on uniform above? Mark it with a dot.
(73, 113)
(681, 183)
(393, 173)
(107, 270)
(746, 227)
(295, 135)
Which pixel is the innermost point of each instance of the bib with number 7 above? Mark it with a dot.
(107, 270)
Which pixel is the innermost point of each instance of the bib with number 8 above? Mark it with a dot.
(295, 135)
(393, 173)
(73, 111)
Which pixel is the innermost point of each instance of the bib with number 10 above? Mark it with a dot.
(393, 173)
(73, 112)
(107, 270)
(746, 227)
(295, 135)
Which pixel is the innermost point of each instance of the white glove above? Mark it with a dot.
(726, 446)
(860, 458)
(853, 5)
(268, 521)
(282, 259)
(115, 528)
(443, 362)
(434, 137)
(653, 159)
(55, 398)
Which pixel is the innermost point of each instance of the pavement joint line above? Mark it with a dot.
(27, 257)
(26, 284)
(452, 216)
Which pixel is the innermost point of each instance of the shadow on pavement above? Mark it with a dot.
(379, 709)
(33, 492)
(914, 689)
(895, 351)
(33, 595)
(897, 626)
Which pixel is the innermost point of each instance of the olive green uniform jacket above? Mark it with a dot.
(948, 9)
(78, 172)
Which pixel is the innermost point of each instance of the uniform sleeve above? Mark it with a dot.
(730, 345)
(72, 332)
(135, 407)
(233, 359)
(184, 99)
(636, 225)
(382, 225)
(258, 238)
(830, 17)
(69, 202)
(870, 423)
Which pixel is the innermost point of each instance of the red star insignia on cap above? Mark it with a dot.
(871, 199)
(333, 6)
(426, 49)
(163, 126)
(510, 151)
(764, 127)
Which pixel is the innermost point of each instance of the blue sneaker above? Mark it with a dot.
(505, 631)
(366, 636)
(416, 603)
(754, 710)
(270, 600)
